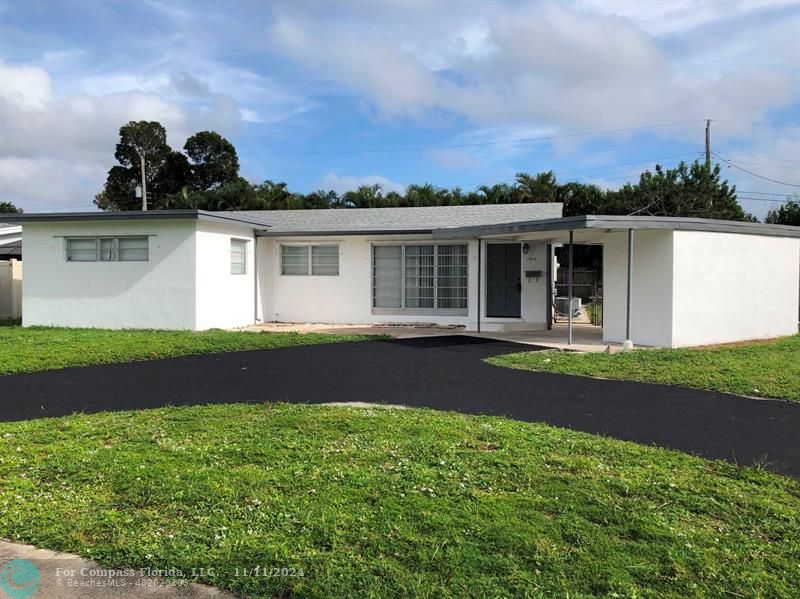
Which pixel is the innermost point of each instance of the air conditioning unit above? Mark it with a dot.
(562, 305)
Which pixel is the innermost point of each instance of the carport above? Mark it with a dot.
(672, 282)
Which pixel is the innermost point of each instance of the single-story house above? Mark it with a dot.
(10, 241)
(667, 281)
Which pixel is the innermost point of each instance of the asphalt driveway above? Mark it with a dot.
(445, 373)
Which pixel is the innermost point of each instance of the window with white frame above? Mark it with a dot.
(238, 256)
(107, 249)
(419, 277)
(313, 259)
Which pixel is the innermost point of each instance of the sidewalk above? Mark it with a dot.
(30, 573)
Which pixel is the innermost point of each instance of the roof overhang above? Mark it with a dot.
(135, 215)
(334, 233)
(600, 224)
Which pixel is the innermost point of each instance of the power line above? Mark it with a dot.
(771, 125)
(772, 200)
(770, 167)
(762, 157)
(729, 163)
(471, 145)
(764, 193)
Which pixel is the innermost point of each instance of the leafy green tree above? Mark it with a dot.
(119, 191)
(321, 199)
(685, 191)
(213, 160)
(366, 196)
(426, 195)
(501, 193)
(580, 198)
(394, 199)
(273, 196)
(538, 188)
(174, 175)
(136, 139)
(787, 214)
(9, 208)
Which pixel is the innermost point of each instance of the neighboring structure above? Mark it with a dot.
(667, 281)
(10, 242)
(10, 289)
(10, 271)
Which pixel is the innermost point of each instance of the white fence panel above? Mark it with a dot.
(10, 289)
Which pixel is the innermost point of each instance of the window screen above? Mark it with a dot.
(81, 250)
(238, 256)
(419, 276)
(324, 259)
(387, 276)
(294, 259)
(424, 276)
(107, 249)
(451, 276)
(132, 249)
(318, 260)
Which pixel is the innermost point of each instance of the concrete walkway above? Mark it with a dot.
(586, 337)
(43, 574)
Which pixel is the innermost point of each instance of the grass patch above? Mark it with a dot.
(396, 503)
(31, 349)
(764, 369)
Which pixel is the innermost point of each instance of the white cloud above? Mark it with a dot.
(27, 87)
(678, 16)
(341, 184)
(538, 63)
(57, 148)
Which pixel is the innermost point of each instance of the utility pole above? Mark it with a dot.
(708, 144)
(144, 183)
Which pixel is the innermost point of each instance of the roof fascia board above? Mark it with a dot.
(132, 216)
(621, 223)
(361, 232)
(515, 228)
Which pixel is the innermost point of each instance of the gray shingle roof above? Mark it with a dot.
(406, 220)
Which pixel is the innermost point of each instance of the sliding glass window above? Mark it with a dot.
(420, 278)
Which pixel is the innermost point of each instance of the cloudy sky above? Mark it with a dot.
(337, 94)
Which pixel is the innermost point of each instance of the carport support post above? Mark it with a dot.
(569, 292)
(628, 344)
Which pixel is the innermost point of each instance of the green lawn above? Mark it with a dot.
(768, 369)
(396, 503)
(44, 348)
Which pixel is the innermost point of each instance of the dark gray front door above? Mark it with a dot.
(503, 282)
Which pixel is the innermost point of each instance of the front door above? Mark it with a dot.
(503, 280)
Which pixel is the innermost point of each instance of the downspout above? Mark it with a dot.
(569, 292)
(255, 277)
(480, 244)
(628, 344)
(549, 287)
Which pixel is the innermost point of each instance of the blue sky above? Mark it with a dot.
(337, 94)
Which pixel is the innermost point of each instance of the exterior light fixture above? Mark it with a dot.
(526, 247)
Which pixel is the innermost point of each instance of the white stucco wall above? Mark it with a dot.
(224, 300)
(347, 298)
(651, 292)
(159, 293)
(732, 287)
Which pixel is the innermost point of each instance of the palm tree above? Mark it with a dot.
(274, 196)
(539, 188)
(501, 193)
(366, 196)
(321, 199)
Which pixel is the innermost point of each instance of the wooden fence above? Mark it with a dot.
(10, 289)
